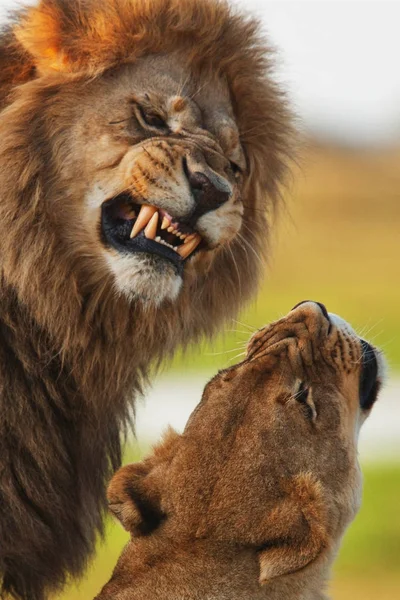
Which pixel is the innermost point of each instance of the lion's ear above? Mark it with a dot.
(135, 493)
(296, 529)
(44, 32)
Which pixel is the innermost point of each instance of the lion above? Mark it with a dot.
(143, 149)
(252, 500)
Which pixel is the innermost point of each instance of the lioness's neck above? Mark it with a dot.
(210, 571)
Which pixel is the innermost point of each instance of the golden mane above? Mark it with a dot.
(73, 354)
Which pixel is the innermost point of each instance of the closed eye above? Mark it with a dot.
(151, 118)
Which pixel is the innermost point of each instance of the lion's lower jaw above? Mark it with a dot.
(145, 278)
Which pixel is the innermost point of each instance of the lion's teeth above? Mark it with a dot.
(151, 229)
(190, 237)
(183, 235)
(145, 215)
(170, 229)
(165, 223)
(188, 248)
(158, 239)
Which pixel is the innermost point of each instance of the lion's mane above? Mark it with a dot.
(73, 354)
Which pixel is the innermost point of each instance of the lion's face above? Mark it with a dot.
(163, 170)
(147, 144)
(267, 462)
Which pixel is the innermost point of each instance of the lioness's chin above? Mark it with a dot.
(145, 278)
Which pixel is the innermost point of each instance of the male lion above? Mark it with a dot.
(142, 145)
(251, 502)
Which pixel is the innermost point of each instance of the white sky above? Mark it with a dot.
(339, 61)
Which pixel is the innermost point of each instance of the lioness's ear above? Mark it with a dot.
(135, 503)
(296, 529)
(136, 490)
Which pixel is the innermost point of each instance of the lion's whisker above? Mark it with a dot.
(236, 268)
(251, 248)
(198, 90)
(181, 86)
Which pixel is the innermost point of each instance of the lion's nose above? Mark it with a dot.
(208, 190)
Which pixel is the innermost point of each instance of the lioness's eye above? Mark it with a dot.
(303, 397)
(302, 393)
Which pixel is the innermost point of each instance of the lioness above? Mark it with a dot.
(251, 501)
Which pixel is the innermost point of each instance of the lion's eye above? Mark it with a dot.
(303, 397)
(152, 119)
(235, 168)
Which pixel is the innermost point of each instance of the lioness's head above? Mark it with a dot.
(262, 483)
(157, 137)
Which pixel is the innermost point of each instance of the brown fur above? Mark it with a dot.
(73, 353)
(251, 501)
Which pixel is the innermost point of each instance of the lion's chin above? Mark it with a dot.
(145, 278)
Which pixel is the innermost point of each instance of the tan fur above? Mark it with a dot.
(80, 323)
(252, 500)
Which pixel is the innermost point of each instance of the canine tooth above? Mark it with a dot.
(188, 248)
(151, 229)
(145, 214)
(170, 229)
(165, 223)
(190, 237)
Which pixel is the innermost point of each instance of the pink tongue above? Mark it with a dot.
(126, 212)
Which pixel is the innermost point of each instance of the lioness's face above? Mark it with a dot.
(267, 466)
(294, 406)
(163, 172)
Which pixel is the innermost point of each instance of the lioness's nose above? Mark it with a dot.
(208, 189)
(322, 307)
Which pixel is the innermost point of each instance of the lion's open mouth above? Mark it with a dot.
(131, 227)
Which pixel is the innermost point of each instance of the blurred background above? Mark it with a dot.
(338, 242)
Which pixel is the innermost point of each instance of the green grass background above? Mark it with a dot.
(338, 243)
